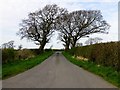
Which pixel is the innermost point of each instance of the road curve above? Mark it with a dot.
(56, 72)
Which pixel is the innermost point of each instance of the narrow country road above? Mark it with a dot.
(56, 72)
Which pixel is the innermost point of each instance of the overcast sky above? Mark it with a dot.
(13, 11)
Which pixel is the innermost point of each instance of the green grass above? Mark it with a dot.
(16, 67)
(108, 73)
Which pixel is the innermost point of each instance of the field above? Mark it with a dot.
(17, 66)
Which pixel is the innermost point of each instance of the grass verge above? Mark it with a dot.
(108, 73)
(18, 66)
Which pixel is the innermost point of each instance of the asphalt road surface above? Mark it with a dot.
(56, 72)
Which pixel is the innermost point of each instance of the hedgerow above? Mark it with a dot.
(106, 54)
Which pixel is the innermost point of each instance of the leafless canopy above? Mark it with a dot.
(78, 24)
(40, 25)
(9, 44)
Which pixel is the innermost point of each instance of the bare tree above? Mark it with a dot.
(79, 44)
(91, 41)
(40, 25)
(20, 47)
(78, 24)
(4, 45)
(97, 39)
(9, 44)
(87, 22)
(65, 26)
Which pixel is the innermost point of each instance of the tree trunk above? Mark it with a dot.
(73, 44)
(66, 48)
(41, 49)
(42, 45)
(67, 45)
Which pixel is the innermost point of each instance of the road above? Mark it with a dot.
(56, 72)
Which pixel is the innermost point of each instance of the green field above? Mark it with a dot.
(18, 66)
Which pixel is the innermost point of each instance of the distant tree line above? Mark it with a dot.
(9, 44)
(40, 25)
(91, 41)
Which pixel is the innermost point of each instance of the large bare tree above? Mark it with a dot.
(78, 24)
(66, 27)
(40, 25)
(87, 22)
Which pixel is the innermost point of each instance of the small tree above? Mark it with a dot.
(8, 52)
(79, 44)
(4, 45)
(19, 47)
(97, 39)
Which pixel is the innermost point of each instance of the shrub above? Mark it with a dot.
(24, 54)
(104, 53)
(7, 55)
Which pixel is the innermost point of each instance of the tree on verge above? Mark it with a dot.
(79, 24)
(65, 26)
(88, 22)
(40, 25)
